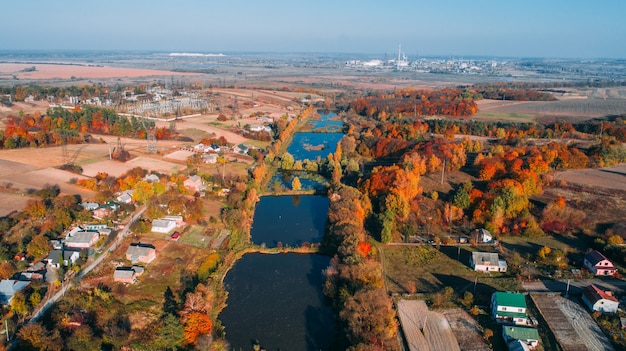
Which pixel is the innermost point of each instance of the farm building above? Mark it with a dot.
(509, 308)
(82, 240)
(598, 264)
(599, 300)
(487, 262)
(529, 336)
(138, 252)
(163, 225)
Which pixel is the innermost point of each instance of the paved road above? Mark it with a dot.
(88, 268)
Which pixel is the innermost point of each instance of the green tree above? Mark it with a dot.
(172, 334)
(462, 197)
(287, 161)
(170, 305)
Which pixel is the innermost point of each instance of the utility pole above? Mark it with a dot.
(443, 170)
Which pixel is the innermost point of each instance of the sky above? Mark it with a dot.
(498, 28)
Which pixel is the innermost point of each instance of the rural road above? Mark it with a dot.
(66, 285)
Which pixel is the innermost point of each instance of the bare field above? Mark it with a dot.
(67, 71)
(570, 323)
(571, 107)
(425, 330)
(466, 330)
(116, 169)
(10, 202)
(610, 177)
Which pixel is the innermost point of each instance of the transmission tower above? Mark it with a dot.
(151, 147)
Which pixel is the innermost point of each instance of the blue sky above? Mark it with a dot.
(532, 28)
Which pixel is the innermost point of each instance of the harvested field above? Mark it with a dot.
(570, 323)
(609, 178)
(437, 334)
(116, 169)
(466, 330)
(39, 178)
(180, 155)
(12, 202)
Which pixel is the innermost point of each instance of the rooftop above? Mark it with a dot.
(520, 333)
(510, 299)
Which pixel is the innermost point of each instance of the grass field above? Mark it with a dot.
(431, 270)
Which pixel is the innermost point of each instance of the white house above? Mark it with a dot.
(487, 262)
(125, 197)
(599, 300)
(509, 308)
(56, 258)
(482, 235)
(163, 225)
(598, 264)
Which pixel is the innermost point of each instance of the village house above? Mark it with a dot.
(599, 300)
(90, 206)
(140, 253)
(36, 272)
(151, 178)
(598, 264)
(163, 225)
(105, 210)
(10, 287)
(210, 158)
(529, 336)
(65, 257)
(487, 262)
(94, 226)
(509, 308)
(482, 235)
(126, 197)
(82, 240)
(177, 219)
(124, 275)
(194, 184)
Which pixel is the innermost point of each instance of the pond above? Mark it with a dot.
(277, 301)
(310, 146)
(291, 220)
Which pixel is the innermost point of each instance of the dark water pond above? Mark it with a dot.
(310, 146)
(277, 300)
(292, 220)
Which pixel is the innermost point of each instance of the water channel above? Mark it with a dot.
(276, 301)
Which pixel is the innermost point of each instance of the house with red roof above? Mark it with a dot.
(599, 300)
(598, 264)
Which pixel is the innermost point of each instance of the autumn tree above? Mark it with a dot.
(295, 184)
(197, 324)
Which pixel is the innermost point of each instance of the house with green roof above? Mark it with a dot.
(529, 336)
(509, 308)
